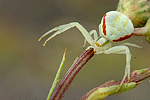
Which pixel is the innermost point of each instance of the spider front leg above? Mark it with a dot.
(122, 50)
(91, 33)
(65, 27)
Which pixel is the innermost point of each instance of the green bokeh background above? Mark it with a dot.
(27, 70)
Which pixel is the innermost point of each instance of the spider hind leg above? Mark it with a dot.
(122, 50)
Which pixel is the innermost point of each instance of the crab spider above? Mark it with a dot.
(114, 27)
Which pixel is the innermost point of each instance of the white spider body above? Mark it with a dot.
(100, 45)
(117, 26)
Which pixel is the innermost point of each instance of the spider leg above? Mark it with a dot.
(122, 50)
(132, 45)
(65, 27)
(91, 33)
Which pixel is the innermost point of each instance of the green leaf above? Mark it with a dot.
(56, 77)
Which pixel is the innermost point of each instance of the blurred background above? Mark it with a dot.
(27, 69)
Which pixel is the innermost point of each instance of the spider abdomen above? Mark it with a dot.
(116, 26)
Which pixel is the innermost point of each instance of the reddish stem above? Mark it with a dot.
(138, 78)
(140, 31)
(71, 73)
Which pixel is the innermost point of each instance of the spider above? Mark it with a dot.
(114, 27)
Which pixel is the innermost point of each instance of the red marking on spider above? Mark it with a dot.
(104, 24)
(123, 38)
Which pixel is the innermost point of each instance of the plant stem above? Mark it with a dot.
(71, 73)
(56, 77)
(110, 87)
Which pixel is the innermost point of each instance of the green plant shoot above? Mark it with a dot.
(109, 88)
(103, 92)
(56, 77)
